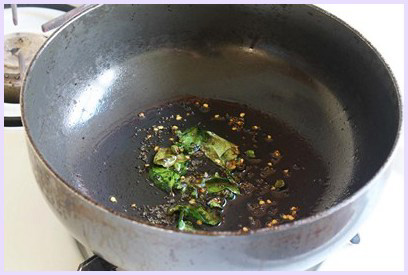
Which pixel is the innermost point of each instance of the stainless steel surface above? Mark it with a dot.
(14, 12)
(21, 64)
(60, 20)
(194, 50)
(19, 50)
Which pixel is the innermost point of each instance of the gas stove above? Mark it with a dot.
(22, 39)
(34, 238)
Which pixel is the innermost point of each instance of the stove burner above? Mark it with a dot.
(19, 50)
(96, 263)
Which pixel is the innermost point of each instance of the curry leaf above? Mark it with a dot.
(219, 150)
(180, 167)
(182, 158)
(165, 157)
(194, 193)
(175, 149)
(184, 225)
(216, 185)
(215, 203)
(197, 213)
(191, 139)
(165, 178)
(216, 148)
(230, 195)
(250, 154)
(231, 177)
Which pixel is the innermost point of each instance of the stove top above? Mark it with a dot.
(21, 42)
(19, 50)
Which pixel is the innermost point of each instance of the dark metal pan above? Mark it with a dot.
(296, 62)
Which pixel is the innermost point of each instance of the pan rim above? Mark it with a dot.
(281, 227)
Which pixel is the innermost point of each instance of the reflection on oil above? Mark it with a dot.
(89, 98)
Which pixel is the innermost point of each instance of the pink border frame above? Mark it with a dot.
(204, 2)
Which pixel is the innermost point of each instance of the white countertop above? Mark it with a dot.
(33, 237)
(35, 240)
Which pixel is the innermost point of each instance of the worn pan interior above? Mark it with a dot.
(295, 62)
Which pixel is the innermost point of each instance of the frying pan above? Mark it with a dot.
(297, 63)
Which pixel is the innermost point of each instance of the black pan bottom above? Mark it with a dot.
(305, 180)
